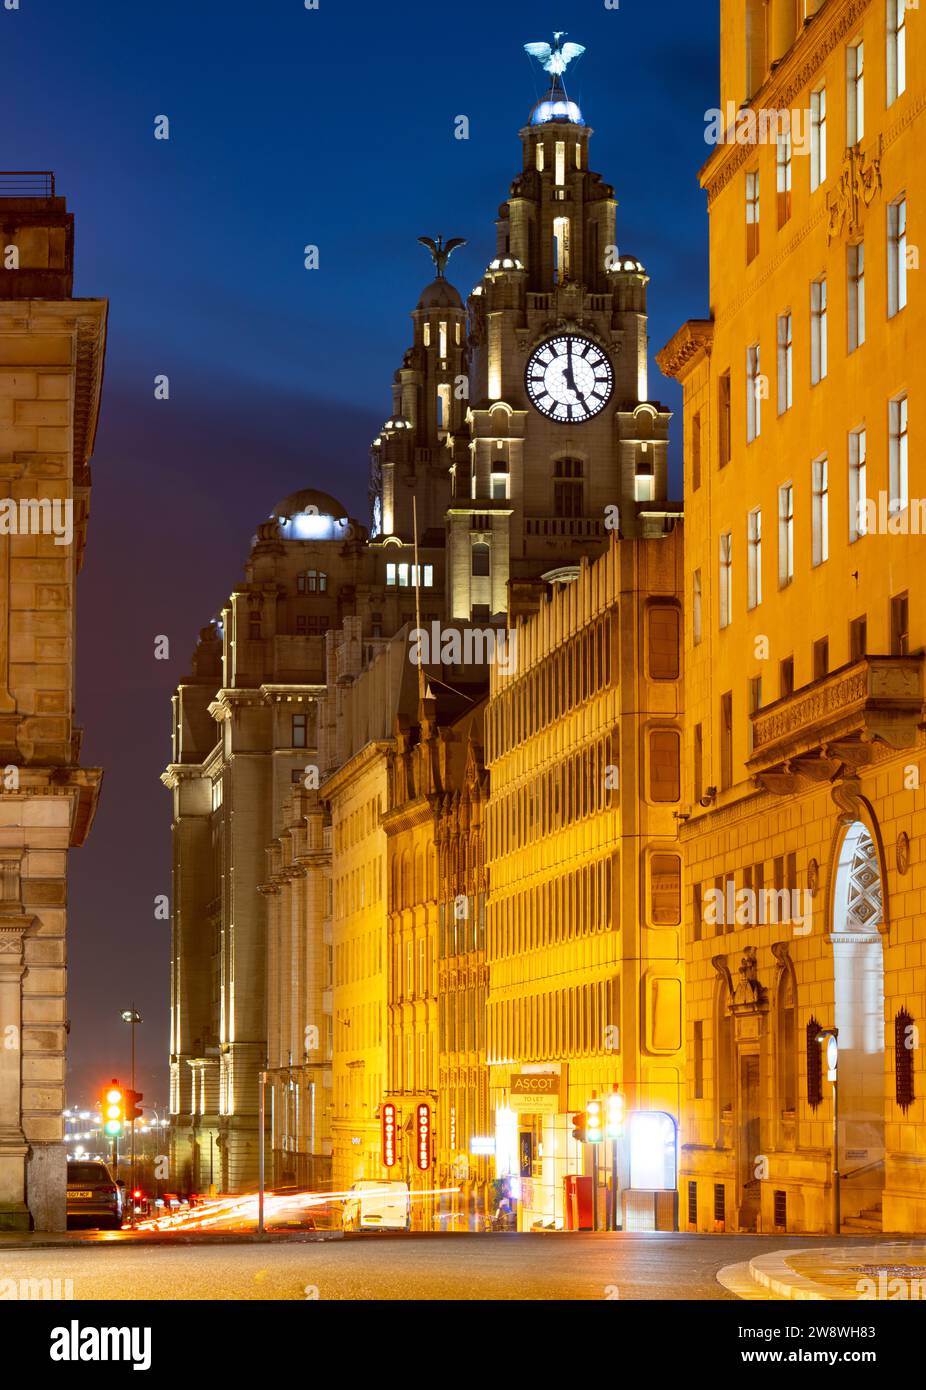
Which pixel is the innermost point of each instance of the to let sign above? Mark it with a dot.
(535, 1091)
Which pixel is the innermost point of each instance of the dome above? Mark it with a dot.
(505, 263)
(310, 500)
(440, 294)
(556, 106)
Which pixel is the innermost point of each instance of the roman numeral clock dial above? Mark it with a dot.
(569, 379)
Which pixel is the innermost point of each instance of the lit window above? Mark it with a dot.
(442, 335)
(443, 406)
(818, 345)
(560, 249)
(821, 512)
(644, 487)
(785, 534)
(783, 175)
(538, 148)
(785, 355)
(560, 172)
(896, 49)
(752, 215)
(896, 257)
(578, 155)
(754, 386)
(856, 295)
(500, 486)
(726, 579)
(855, 93)
(427, 335)
(817, 138)
(858, 485)
(899, 478)
(390, 574)
(754, 542)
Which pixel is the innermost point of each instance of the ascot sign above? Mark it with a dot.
(535, 1091)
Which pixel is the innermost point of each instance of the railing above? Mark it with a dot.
(591, 526)
(27, 183)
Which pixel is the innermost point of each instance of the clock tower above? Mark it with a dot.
(561, 442)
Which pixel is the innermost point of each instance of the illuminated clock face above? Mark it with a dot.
(569, 379)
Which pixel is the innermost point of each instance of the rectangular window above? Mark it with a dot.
(900, 624)
(539, 156)
(785, 355)
(896, 257)
(753, 394)
(858, 638)
(786, 677)
(821, 511)
(723, 419)
(855, 272)
(855, 93)
(858, 484)
(896, 49)
(726, 741)
(699, 1095)
(698, 769)
(298, 734)
(560, 163)
(664, 765)
(561, 245)
(817, 138)
(785, 535)
(821, 658)
(754, 551)
(726, 579)
(818, 330)
(899, 474)
(696, 608)
(755, 703)
(783, 175)
(752, 215)
(696, 451)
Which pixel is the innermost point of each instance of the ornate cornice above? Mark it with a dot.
(695, 336)
(793, 75)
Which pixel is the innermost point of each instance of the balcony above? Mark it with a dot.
(592, 527)
(827, 731)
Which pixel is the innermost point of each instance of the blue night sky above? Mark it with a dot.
(287, 127)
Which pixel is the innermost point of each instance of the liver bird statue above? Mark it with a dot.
(440, 253)
(554, 58)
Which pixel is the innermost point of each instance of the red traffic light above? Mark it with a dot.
(132, 1106)
(578, 1126)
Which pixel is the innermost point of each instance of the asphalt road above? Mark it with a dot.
(494, 1267)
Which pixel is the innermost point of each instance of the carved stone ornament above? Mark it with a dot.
(748, 992)
(859, 183)
(903, 852)
(813, 877)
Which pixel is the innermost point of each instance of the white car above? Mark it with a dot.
(377, 1206)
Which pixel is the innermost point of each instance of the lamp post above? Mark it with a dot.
(830, 1036)
(132, 1016)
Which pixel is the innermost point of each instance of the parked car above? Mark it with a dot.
(377, 1206)
(95, 1198)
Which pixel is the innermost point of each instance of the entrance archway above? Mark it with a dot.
(858, 967)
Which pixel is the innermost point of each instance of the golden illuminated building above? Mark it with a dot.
(583, 747)
(52, 348)
(804, 630)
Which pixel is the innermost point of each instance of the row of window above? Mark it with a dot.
(461, 925)
(899, 645)
(860, 508)
(571, 674)
(896, 69)
(462, 1020)
(579, 786)
(358, 958)
(561, 909)
(578, 1022)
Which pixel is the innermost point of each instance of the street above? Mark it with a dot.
(512, 1268)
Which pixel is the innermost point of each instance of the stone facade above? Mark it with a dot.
(803, 641)
(51, 364)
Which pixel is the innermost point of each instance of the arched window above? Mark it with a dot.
(787, 1042)
(312, 582)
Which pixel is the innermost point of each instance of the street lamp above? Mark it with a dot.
(132, 1016)
(830, 1036)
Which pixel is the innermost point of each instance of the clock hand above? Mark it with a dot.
(569, 375)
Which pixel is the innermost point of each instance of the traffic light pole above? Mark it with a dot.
(132, 1191)
(594, 1149)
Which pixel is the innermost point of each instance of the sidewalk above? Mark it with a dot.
(894, 1270)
